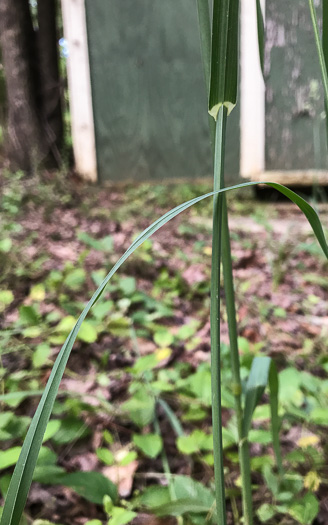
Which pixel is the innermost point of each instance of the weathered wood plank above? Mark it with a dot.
(78, 73)
(252, 113)
(294, 177)
(295, 126)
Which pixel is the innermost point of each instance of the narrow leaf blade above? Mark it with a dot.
(263, 373)
(257, 381)
(231, 81)
(224, 59)
(260, 33)
(275, 420)
(205, 38)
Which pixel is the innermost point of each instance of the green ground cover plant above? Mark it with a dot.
(243, 390)
(178, 392)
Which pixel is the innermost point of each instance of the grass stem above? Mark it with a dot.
(215, 318)
(244, 459)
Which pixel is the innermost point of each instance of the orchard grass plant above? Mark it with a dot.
(219, 46)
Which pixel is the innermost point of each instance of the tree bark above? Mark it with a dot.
(50, 86)
(24, 142)
(30, 62)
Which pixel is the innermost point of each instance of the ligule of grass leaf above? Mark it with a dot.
(22, 476)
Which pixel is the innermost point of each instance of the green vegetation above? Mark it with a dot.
(148, 407)
(144, 385)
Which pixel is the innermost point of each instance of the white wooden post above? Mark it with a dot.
(78, 73)
(252, 108)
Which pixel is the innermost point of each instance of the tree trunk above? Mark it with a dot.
(50, 87)
(32, 83)
(24, 140)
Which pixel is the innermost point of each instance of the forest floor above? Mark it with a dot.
(134, 404)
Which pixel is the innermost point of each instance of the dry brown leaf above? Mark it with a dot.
(122, 476)
(64, 252)
(84, 462)
(194, 274)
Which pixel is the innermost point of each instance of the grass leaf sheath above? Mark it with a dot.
(215, 318)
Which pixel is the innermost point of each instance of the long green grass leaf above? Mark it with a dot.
(222, 98)
(260, 33)
(275, 420)
(224, 59)
(232, 65)
(205, 46)
(174, 421)
(205, 39)
(263, 373)
(23, 473)
(257, 381)
(225, 253)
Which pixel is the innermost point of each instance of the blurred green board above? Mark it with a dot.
(149, 100)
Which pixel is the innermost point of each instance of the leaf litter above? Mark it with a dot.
(279, 313)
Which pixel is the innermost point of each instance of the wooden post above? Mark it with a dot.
(78, 72)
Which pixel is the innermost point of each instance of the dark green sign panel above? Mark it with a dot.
(149, 100)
